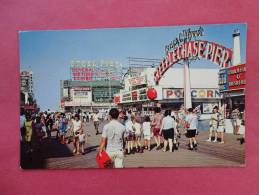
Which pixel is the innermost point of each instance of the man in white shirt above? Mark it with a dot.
(214, 124)
(112, 135)
(192, 121)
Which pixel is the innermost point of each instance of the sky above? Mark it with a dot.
(48, 53)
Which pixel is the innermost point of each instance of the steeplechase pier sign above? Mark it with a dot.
(183, 37)
(185, 48)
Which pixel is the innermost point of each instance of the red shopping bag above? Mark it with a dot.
(103, 160)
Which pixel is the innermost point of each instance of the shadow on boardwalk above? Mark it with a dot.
(91, 149)
(49, 148)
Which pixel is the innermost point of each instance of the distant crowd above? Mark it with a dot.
(65, 127)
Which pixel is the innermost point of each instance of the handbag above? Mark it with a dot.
(103, 160)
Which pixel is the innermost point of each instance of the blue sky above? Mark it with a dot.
(49, 53)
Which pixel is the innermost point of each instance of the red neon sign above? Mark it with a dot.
(236, 77)
(202, 49)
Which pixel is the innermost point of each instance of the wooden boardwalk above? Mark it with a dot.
(58, 156)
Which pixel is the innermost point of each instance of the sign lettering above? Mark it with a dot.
(195, 93)
(137, 81)
(184, 36)
(232, 78)
(214, 52)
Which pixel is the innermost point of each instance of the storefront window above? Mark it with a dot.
(207, 108)
(138, 87)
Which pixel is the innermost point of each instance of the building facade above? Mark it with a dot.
(27, 100)
(88, 95)
(232, 80)
(168, 94)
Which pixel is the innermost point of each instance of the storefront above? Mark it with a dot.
(88, 96)
(169, 94)
(232, 82)
(206, 99)
(172, 87)
(134, 100)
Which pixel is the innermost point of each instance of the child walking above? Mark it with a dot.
(146, 128)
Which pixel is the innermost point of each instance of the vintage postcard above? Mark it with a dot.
(168, 96)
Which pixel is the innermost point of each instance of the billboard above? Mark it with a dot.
(85, 88)
(223, 80)
(140, 80)
(81, 73)
(207, 108)
(195, 93)
(81, 94)
(186, 46)
(232, 78)
(91, 70)
(135, 95)
(236, 77)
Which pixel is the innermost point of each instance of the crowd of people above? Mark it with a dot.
(125, 133)
(65, 127)
(122, 135)
(218, 128)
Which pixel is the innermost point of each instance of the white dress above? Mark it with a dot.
(138, 129)
(147, 130)
(81, 138)
(76, 125)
